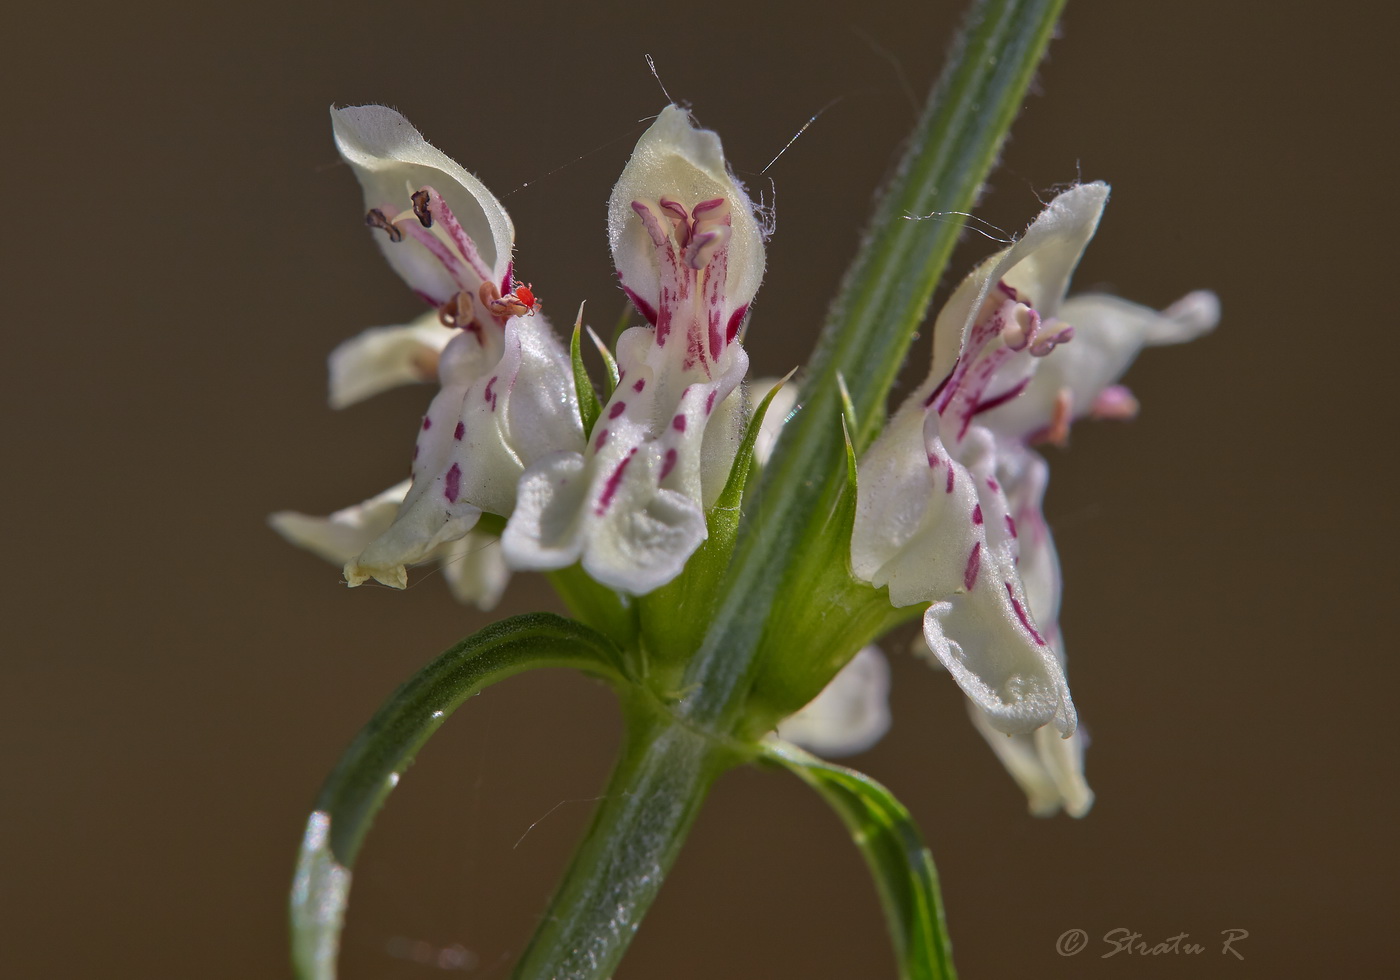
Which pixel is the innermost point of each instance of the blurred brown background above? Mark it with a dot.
(186, 249)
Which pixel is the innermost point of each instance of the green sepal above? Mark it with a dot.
(674, 617)
(371, 766)
(589, 407)
(822, 616)
(893, 849)
(613, 374)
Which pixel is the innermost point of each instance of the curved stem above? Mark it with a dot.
(656, 790)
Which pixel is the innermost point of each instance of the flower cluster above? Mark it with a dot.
(948, 510)
(505, 435)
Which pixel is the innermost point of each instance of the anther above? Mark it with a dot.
(420, 208)
(375, 219)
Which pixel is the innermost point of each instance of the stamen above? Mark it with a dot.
(375, 219)
(1061, 415)
(420, 208)
(1045, 345)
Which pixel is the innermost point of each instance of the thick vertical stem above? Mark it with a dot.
(653, 797)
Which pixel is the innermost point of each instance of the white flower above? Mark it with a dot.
(851, 713)
(472, 565)
(631, 505)
(507, 392)
(381, 358)
(949, 497)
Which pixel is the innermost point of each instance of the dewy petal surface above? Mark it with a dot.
(631, 506)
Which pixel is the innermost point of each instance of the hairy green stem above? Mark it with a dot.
(656, 790)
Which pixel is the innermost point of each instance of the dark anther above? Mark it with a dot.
(420, 208)
(376, 219)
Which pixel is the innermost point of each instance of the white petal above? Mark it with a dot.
(675, 159)
(851, 713)
(1049, 769)
(344, 534)
(1023, 475)
(392, 160)
(381, 358)
(914, 527)
(1018, 754)
(475, 569)
(487, 424)
(988, 642)
(610, 513)
(1109, 333)
(1038, 266)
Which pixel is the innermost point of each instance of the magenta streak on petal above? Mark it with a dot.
(932, 461)
(643, 307)
(489, 395)
(713, 312)
(678, 423)
(668, 465)
(993, 485)
(986, 405)
(460, 431)
(736, 319)
(977, 514)
(1021, 615)
(641, 383)
(443, 215)
(974, 565)
(427, 423)
(610, 488)
(1011, 525)
(508, 280)
(667, 272)
(415, 451)
(710, 401)
(617, 409)
(435, 246)
(933, 397)
(452, 485)
(602, 438)
(1001, 284)
(949, 487)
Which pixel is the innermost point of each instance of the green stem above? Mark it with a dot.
(883, 299)
(662, 778)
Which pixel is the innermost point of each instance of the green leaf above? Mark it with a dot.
(897, 857)
(371, 766)
(588, 407)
